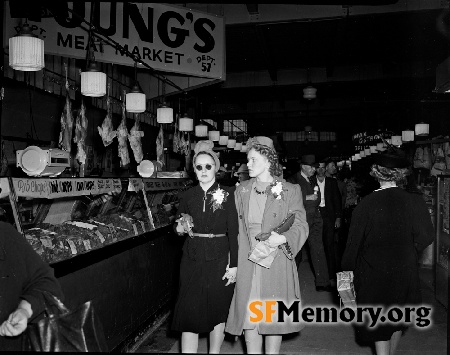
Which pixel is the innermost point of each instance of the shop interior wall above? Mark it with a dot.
(29, 112)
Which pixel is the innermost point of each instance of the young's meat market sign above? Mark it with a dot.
(168, 38)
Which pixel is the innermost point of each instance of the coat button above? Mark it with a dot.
(240, 216)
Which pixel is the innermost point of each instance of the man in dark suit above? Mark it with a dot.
(330, 208)
(311, 200)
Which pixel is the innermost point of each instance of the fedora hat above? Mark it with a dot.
(392, 158)
(243, 168)
(308, 159)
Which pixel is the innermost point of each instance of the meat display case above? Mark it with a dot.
(442, 242)
(65, 217)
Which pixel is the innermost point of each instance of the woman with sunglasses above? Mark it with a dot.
(263, 202)
(207, 212)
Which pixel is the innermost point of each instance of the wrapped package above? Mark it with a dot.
(346, 289)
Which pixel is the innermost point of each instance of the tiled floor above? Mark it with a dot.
(329, 339)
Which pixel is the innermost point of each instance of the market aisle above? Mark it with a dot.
(331, 339)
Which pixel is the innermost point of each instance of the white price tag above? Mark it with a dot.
(100, 236)
(72, 246)
(142, 225)
(87, 244)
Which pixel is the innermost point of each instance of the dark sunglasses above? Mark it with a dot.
(200, 167)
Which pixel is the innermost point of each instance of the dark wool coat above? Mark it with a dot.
(389, 229)
(280, 282)
(22, 274)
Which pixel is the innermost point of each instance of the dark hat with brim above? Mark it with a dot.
(392, 158)
(308, 159)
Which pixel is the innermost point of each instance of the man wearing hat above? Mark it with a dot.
(242, 173)
(311, 200)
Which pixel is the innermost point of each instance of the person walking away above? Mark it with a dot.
(207, 212)
(263, 202)
(311, 199)
(389, 229)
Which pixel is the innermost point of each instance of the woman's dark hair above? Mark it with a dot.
(275, 168)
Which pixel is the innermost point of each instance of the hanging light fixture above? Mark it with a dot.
(223, 140)
(380, 147)
(244, 148)
(164, 114)
(201, 130)
(238, 146)
(422, 129)
(214, 136)
(93, 81)
(309, 93)
(407, 135)
(231, 143)
(135, 100)
(367, 152)
(186, 124)
(396, 140)
(362, 153)
(373, 149)
(26, 50)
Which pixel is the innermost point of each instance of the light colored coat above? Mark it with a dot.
(280, 282)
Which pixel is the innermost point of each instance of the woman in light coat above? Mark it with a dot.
(263, 202)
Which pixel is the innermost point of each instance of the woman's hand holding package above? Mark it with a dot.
(275, 240)
(230, 274)
(17, 320)
(185, 224)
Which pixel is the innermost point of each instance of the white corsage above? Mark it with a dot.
(276, 189)
(219, 196)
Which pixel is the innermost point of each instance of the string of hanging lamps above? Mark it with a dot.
(26, 50)
(164, 113)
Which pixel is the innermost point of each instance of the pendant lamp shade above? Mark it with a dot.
(238, 146)
(186, 124)
(408, 135)
(223, 140)
(373, 149)
(214, 136)
(362, 153)
(164, 114)
(93, 81)
(26, 51)
(422, 129)
(396, 140)
(201, 130)
(231, 143)
(380, 147)
(367, 152)
(309, 93)
(357, 156)
(244, 148)
(135, 101)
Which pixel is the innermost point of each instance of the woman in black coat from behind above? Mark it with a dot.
(388, 231)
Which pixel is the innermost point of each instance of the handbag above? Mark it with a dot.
(264, 255)
(64, 330)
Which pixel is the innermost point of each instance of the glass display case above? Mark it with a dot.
(62, 218)
(442, 242)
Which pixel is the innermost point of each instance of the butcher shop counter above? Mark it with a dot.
(108, 240)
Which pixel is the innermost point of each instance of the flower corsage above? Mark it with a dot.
(219, 196)
(276, 189)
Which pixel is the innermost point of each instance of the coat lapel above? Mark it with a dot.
(244, 195)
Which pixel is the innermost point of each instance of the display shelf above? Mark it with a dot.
(64, 218)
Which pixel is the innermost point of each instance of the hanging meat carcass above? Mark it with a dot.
(122, 136)
(135, 140)
(176, 138)
(160, 147)
(65, 135)
(106, 130)
(81, 124)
